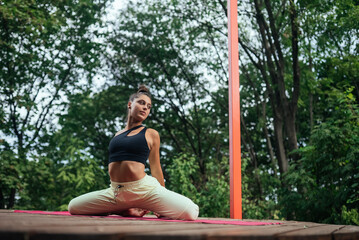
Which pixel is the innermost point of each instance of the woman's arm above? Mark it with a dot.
(154, 157)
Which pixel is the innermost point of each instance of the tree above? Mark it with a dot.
(324, 182)
(43, 49)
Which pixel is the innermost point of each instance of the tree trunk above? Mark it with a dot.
(252, 154)
(2, 200)
(266, 133)
(281, 156)
(277, 95)
(12, 198)
(292, 108)
(291, 134)
(311, 115)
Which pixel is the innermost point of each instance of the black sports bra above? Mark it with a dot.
(131, 148)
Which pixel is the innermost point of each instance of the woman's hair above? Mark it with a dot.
(142, 90)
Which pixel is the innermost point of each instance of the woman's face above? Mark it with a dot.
(140, 108)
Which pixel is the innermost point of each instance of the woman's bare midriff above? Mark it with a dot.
(126, 171)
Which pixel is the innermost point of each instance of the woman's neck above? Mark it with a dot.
(130, 124)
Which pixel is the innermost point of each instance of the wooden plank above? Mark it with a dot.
(111, 229)
(68, 220)
(322, 232)
(347, 233)
(235, 232)
(33, 226)
(49, 226)
(194, 234)
(98, 232)
(6, 211)
(100, 227)
(60, 236)
(38, 227)
(267, 232)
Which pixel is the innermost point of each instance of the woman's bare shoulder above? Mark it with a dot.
(153, 132)
(153, 137)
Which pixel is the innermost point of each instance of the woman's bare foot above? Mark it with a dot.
(134, 212)
(160, 216)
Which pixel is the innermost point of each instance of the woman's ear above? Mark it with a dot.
(129, 105)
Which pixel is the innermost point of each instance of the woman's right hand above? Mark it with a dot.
(134, 212)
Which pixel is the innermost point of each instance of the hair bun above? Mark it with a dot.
(143, 89)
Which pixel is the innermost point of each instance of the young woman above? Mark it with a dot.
(132, 192)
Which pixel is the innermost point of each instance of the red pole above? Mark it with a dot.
(234, 114)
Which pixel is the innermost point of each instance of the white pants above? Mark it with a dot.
(146, 193)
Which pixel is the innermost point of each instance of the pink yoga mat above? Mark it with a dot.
(231, 222)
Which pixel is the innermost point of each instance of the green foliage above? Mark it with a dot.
(255, 207)
(43, 46)
(323, 184)
(10, 172)
(213, 196)
(183, 171)
(94, 119)
(349, 217)
(50, 185)
(39, 186)
(81, 175)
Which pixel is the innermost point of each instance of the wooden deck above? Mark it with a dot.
(38, 227)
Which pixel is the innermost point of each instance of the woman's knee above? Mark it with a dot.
(191, 213)
(78, 206)
(72, 207)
